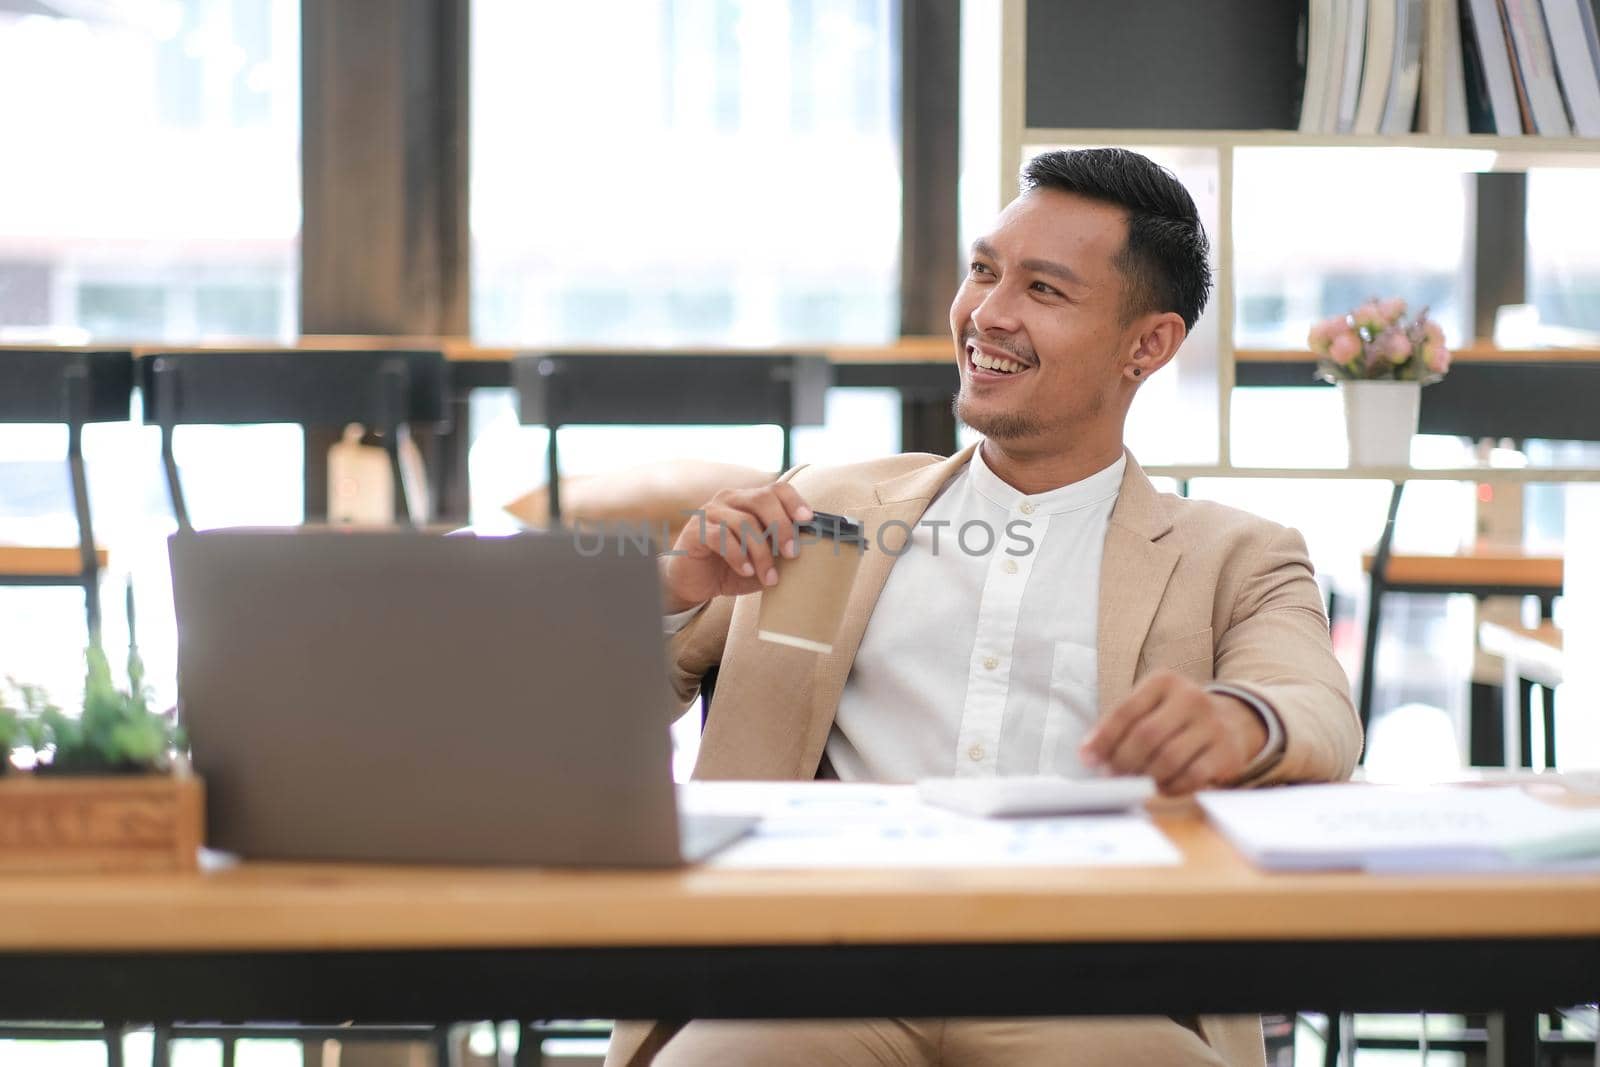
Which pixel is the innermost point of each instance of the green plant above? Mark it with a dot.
(117, 731)
(10, 731)
(19, 722)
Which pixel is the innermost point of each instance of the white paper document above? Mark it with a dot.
(1407, 829)
(835, 824)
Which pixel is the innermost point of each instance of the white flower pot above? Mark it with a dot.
(1381, 418)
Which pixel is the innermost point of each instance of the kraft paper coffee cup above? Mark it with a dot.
(807, 605)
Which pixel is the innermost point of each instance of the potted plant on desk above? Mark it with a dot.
(1380, 361)
(108, 789)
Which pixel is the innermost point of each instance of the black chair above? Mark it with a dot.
(439, 1038)
(1515, 399)
(386, 391)
(557, 389)
(1486, 399)
(107, 1034)
(75, 388)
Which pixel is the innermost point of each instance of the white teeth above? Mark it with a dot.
(1005, 366)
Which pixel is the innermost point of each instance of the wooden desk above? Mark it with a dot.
(46, 561)
(1539, 656)
(1492, 569)
(1489, 392)
(1537, 653)
(1480, 573)
(1480, 352)
(270, 941)
(921, 369)
(932, 349)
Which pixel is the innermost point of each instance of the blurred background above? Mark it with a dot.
(640, 174)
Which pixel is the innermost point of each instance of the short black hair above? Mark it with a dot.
(1165, 257)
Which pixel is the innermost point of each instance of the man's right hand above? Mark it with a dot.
(725, 551)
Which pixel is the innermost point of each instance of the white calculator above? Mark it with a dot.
(1035, 794)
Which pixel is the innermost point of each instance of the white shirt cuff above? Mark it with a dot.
(1269, 718)
(671, 624)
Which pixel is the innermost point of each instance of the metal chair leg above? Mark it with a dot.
(552, 469)
(1377, 582)
(164, 380)
(113, 1040)
(530, 1047)
(1514, 1039)
(161, 1047)
(1330, 1047)
(77, 407)
(1548, 695)
(169, 464)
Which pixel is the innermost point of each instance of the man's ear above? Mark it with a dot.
(1156, 341)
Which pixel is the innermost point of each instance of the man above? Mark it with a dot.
(1137, 633)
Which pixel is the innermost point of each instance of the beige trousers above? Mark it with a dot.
(1097, 1042)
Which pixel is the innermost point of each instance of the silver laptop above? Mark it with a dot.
(399, 696)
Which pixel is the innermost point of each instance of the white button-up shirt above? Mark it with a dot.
(980, 656)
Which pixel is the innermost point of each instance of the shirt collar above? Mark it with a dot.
(1100, 486)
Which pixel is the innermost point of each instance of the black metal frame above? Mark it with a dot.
(927, 423)
(74, 388)
(1082, 978)
(556, 389)
(1378, 584)
(387, 390)
(100, 1033)
(441, 1038)
(437, 1037)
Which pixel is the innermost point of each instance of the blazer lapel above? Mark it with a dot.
(1134, 571)
(887, 527)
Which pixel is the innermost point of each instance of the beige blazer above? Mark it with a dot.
(1190, 586)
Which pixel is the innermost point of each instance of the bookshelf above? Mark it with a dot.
(1010, 110)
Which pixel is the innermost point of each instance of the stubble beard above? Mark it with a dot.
(1019, 425)
(999, 425)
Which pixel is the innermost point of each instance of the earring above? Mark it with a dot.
(1137, 372)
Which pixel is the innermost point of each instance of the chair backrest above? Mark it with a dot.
(670, 389)
(315, 387)
(36, 385)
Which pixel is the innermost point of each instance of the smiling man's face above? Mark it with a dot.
(1039, 322)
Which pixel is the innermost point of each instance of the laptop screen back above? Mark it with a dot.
(408, 697)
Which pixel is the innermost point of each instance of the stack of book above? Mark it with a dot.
(1380, 828)
(1510, 66)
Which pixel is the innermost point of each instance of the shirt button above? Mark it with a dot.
(1026, 507)
(1009, 566)
(991, 662)
(975, 753)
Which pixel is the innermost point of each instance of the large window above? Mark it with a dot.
(1318, 231)
(722, 172)
(1564, 255)
(684, 172)
(151, 189)
(150, 192)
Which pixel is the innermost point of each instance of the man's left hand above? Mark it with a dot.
(1177, 733)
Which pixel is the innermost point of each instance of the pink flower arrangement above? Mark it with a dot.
(1376, 341)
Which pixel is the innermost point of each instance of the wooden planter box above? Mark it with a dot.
(110, 823)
